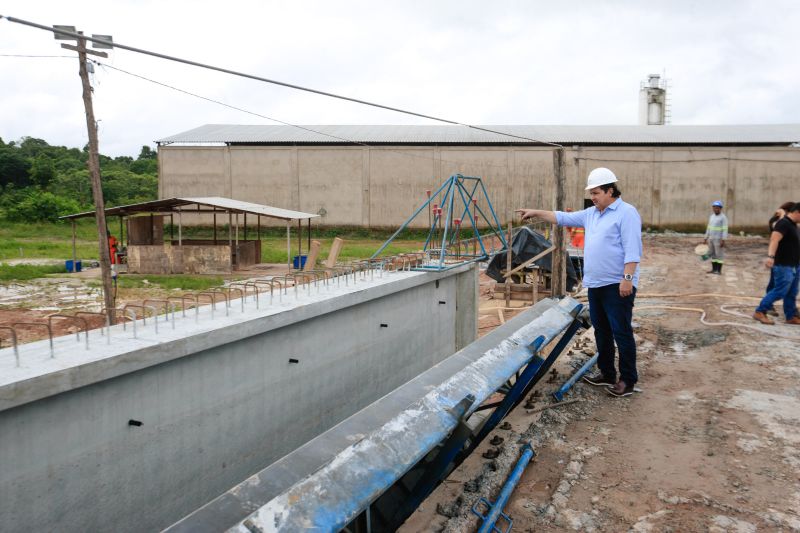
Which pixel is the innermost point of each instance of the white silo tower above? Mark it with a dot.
(653, 101)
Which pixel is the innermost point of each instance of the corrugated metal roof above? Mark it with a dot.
(170, 205)
(567, 135)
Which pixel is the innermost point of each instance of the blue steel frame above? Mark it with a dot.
(496, 509)
(461, 443)
(534, 371)
(559, 394)
(445, 195)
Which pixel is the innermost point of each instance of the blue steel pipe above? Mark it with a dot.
(559, 394)
(508, 488)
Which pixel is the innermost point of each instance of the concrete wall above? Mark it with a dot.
(185, 259)
(217, 402)
(381, 186)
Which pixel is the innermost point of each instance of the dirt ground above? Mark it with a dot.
(709, 444)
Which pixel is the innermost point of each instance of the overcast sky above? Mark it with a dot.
(478, 62)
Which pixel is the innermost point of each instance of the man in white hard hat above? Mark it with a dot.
(716, 233)
(612, 252)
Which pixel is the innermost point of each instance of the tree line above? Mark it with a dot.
(40, 182)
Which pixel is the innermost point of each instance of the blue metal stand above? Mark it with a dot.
(496, 508)
(534, 371)
(445, 231)
(559, 394)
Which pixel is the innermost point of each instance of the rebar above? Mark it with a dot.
(72, 317)
(40, 324)
(13, 341)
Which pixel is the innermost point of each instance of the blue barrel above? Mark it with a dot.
(68, 264)
(299, 261)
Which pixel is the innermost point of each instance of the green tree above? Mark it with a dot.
(147, 153)
(41, 206)
(13, 167)
(42, 171)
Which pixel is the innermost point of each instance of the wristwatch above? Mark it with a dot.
(628, 277)
(771, 256)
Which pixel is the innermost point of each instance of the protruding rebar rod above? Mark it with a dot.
(13, 341)
(241, 294)
(133, 321)
(210, 297)
(72, 317)
(38, 324)
(181, 300)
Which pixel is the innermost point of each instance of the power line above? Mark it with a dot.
(29, 55)
(274, 82)
(304, 128)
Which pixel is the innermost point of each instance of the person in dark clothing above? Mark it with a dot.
(783, 258)
(779, 214)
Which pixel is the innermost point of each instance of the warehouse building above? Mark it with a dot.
(375, 176)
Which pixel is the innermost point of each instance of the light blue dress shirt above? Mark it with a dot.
(613, 238)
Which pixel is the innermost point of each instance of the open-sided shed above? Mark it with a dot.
(141, 229)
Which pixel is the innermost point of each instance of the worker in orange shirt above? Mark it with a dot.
(112, 247)
(575, 234)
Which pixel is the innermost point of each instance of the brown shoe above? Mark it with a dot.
(764, 319)
(794, 320)
(620, 389)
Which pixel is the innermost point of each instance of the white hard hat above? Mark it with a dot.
(600, 176)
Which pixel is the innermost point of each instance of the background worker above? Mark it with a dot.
(612, 252)
(776, 216)
(716, 233)
(575, 234)
(112, 247)
(783, 258)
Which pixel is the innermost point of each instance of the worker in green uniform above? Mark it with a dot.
(716, 233)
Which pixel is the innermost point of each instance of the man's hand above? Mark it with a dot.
(722, 244)
(625, 288)
(705, 241)
(526, 213)
(769, 263)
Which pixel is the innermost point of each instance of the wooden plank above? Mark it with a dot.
(333, 255)
(529, 261)
(313, 254)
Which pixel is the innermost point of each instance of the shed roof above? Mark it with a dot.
(173, 205)
(750, 134)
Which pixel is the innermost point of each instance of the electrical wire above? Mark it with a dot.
(31, 55)
(274, 82)
(304, 128)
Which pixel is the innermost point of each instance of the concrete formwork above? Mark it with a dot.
(381, 186)
(218, 399)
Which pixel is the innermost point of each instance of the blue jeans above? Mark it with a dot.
(611, 316)
(784, 286)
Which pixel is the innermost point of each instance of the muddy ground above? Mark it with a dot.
(709, 444)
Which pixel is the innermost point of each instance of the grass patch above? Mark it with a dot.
(27, 272)
(166, 282)
(43, 240)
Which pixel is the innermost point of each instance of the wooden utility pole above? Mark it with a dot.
(559, 264)
(94, 173)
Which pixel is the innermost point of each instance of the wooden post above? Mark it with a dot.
(94, 173)
(559, 259)
(508, 265)
(74, 251)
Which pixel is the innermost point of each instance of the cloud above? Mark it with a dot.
(503, 63)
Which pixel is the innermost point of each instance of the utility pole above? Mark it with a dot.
(559, 274)
(94, 158)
